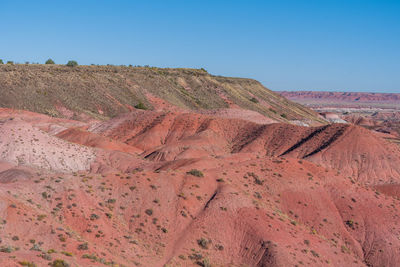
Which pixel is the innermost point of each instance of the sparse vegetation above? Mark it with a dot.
(203, 243)
(27, 263)
(84, 246)
(140, 105)
(196, 173)
(49, 61)
(59, 263)
(254, 100)
(149, 212)
(72, 63)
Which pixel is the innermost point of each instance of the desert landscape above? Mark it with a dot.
(200, 133)
(136, 176)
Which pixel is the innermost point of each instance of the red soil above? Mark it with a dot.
(269, 194)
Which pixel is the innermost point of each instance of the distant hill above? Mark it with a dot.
(102, 92)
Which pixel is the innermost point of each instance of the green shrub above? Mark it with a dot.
(66, 253)
(59, 263)
(196, 173)
(27, 263)
(254, 100)
(1, 61)
(10, 62)
(50, 61)
(140, 105)
(72, 63)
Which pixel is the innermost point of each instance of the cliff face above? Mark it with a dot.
(102, 92)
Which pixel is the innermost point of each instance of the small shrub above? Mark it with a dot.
(94, 217)
(49, 61)
(219, 247)
(149, 212)
(257, 180)
(140, 105)
(203, 243)
(6, 249)
(350, 223)
(204, 263)
(254, 100)
(1, 61)
(195, 172)
(41, 217)
(315, 254)
(27, 263)
(35, 247)
(72, 63)
(83, 246)
(66, 253)
(10, 62)
(345, 249)
(59, 263)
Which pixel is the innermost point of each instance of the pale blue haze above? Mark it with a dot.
(287, 45)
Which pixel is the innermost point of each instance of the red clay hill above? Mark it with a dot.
(173, 186)
(155, 188)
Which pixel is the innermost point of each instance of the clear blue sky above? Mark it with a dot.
(286, 44)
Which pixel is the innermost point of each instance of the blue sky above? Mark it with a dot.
(286, 44)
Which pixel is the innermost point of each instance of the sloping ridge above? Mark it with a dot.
(103, 92)
(353, 150)
(304, 140)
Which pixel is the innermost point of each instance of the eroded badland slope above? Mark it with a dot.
(186, 184)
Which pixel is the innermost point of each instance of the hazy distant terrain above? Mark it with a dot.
(377, 111)
(317, 99)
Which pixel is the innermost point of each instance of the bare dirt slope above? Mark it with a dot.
(188, 189)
